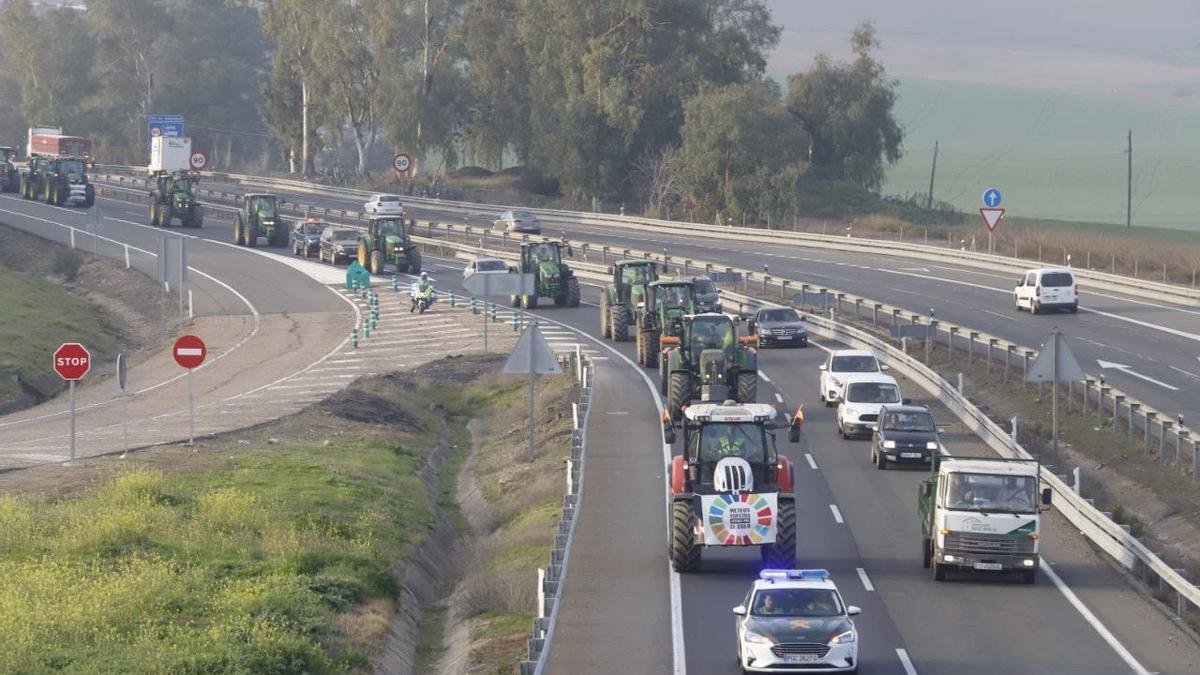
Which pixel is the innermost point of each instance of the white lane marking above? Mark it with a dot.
(1186, 372)
(1122, 368)
(763, 375)
(812, 463)
(866, 581)
(818, 345)
(905, 662)
(837, 515)
(779, 398)
(997, 314)
(1086, 613)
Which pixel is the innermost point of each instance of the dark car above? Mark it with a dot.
(306, 237)
(905, 433)
(708, 298)
(337, 243)
(778, 326)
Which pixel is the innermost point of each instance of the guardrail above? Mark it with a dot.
(552, 578)
(998, 263)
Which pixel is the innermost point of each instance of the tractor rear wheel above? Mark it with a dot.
(153, 214)
(376, 261)
(662, 373)
(782, 554)
(529, 301)
(414, 261)
(572, 292)
(679, 393)
(620, 324)
(747, 386)
(362, 254)
(685, 554)
(237, 230)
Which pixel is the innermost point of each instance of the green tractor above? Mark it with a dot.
(35, 175)
(174, 196)
(622, 297)
(387, 242)
(661, 313)
(65, 182)
(259, 217)
(10, 178)
(552, 278)
(708, 362)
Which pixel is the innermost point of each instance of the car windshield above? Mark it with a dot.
(390, 228)
(673, 296)
(872, 392)
(796, 602)
(545, 253)
(524, 215)
(712, 332)
(703, 286)
(992, 492)
(490, 266)
(854, 364)
(70, 166)
(907, 421)
(344, 235)
(389, 199)
(778, 315)
(1057, 279)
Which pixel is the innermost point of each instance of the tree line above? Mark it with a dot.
(662, 102)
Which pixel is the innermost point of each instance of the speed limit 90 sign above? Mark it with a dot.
(198, 160)
(401, 163)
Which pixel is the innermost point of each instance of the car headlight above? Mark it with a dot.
(756, 638)
(889, 444)
(341, 249)
(931, 445)
(834, 381)
(851, 414)
(844, 639)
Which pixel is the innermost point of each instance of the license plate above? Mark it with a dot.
(801, 658)
(989, 567)
(783, 337)
(910, 455)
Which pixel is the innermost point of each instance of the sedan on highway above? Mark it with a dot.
(843, 362)
(795, 621)
(904, 433)
(863, 396)
(778, 326)
(518, 221)
(337, 243)
(306, 236)
(485, 265)
(708, 298)
(384, 205)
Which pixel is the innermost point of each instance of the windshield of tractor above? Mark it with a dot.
(635, 275)
(673, 297)
(716, 441)
(545, 253)
(391, 228)
(5, 154)
(712, 332)
(69, 166)
(183, 184)
(992, 493)
(265, 206)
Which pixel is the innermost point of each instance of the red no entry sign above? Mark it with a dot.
(72, 361)
(189, 351)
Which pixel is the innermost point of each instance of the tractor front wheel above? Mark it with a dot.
(747, 386)
(89, 196)
(685, 554)
(376, 261)
(237, 230)
(572, 292)
(363, 258)
(782, 554)
(679, 393)
(529, 301)
(619, 324)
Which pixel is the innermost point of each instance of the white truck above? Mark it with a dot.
(982, 515)
(169, 154)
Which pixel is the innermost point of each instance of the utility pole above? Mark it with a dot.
(932, 172)
(1129, 183)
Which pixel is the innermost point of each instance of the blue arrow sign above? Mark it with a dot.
(991, 198)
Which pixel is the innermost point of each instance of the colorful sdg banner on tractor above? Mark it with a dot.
(739, 519)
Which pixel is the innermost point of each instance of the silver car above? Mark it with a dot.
(518, 221)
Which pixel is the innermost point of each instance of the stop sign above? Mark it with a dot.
(189, 351)
(72, 361)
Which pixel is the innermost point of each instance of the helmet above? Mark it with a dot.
(424, 275)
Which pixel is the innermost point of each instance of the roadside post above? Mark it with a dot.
(72, 361)
(488, 284)
(122, 381)
(532, 355)
(1055, 363)
(189, 353)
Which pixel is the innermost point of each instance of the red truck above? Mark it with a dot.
(50, 142)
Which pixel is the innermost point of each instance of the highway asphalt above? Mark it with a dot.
(973, 625)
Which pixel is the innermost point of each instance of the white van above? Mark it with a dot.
(1047, 288)
(862, 398)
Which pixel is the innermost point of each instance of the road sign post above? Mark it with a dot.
(532, 355)
(189, 353)
(72, 361)
(991, 218)
(487, 284)
(1057, 364)
(122, 381)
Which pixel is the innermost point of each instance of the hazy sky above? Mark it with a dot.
(1126, 48)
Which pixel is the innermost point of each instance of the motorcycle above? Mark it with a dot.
(422, 300)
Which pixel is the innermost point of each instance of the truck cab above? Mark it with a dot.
(982, 515)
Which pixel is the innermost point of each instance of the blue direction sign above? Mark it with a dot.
(163, 125)
(991, 198)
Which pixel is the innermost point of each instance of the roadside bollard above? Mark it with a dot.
(366, 331)
(1008, 350)
(1104, 389)
(1117, 400)
(452, 299)
(493, 312)
(1133, 408)
(992, 342)
(1164, 427)
(514, 322)
(474, 307)
(1150, 417)
(354, 337)
(395, 283)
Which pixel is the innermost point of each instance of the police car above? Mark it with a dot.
(794, 621)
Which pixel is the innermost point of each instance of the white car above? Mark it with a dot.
(384, 205)
(795, 621)
(485, 265)
(1047, 288)
(843, 362)
(862, 397)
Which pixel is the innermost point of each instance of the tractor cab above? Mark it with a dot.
(544, 252)
(391, 228)
(552, 277)
(707, 361)
(262, 206)
(7, 154)
(630, 278)
(730, 486)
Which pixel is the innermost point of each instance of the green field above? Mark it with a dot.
(1054, 155)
